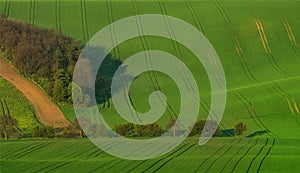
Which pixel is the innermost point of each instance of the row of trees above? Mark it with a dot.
(47, 56)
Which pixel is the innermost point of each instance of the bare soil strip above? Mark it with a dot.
(45, 109)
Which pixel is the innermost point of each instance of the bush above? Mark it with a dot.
(130, 130)
(43, 131)
(239, 129)
(8, 127)
(199, 126)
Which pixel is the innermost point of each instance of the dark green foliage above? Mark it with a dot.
(199, 126)
(239, 129)
(43, 131)
(48, 57)
(8, 127)
(129, 130)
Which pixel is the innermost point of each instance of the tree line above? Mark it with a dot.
(46, 56)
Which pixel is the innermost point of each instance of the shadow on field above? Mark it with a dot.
(258, 133)
(227, 133)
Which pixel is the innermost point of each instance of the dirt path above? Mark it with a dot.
(47, 112)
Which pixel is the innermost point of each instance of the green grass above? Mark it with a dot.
(225, 27)
(261, 85)
(19, 106)
(220, 154)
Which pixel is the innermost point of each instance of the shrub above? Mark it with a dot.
(199, 126)
(239, 129)
(129, 130)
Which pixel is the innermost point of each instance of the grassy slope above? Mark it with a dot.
(262, 104)
(18, 105)
(225, 155)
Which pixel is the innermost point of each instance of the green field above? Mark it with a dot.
(258, 45)
(18, 106)
(219, 155)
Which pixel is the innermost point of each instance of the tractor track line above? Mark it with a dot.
(175, 43)
(255, 157)
(48, 166)
(268, 152)
(174, 157)
(171, 154)
(208, 157)
(225, 152)
(287, 97)
(3, 155)
(236, 40)
(5, 7)
(143, 149)
(175, 151)
(138, 165)
(8, 6)
(57, 166)
(33, 12)
(194, 15)
(288, 29)
(256, 115)
(30, 150)
(236, 153)
(58, 15)
(82, 21)
(116, 49)
(239, 160)
(32, 166)
(30, 11)
(146, 47)
(264, 40)
(249, 111)
(86, 21)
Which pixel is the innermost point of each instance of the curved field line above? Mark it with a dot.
(3, 155)
(175, 43)
(264, 40)
(138, 165)
(235, 38)
(208, 157)
(86, 21)
(48, 166)
(30, 11)
(174, 157)
(7, 8)
(82, 21)
(33, 12)
(288, 29)
(41, 145)
(175, 151)
(194, 15)
(287, 97)
(58, 15)
(255, 157)
(47, 111)
(116, 49)
(247, 102)
(239, 160)
(164, 163)
(268, 152)
(55, 167)
(145, 45)
(237, 152)
(30, 167)
(226, 151)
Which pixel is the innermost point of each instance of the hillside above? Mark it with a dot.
(257, 47)
(46, 110)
